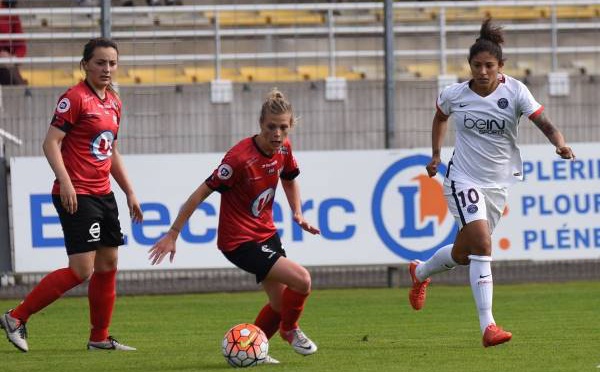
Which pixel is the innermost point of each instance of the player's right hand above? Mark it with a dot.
(432, 167)
(160, 250)
(68, 197)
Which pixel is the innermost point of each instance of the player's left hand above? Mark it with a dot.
(135, 211)
(565, 152)
(305, 225)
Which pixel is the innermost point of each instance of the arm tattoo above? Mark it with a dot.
(544, 124)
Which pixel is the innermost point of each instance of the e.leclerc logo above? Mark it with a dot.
(425, 224)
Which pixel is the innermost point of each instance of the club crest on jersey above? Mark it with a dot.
(472, 208)
(63, 105)
(224, 172)
(101, 146)
(261, 201)
(503, 103)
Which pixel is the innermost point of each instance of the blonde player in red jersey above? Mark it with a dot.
(485, 112)
(81, 147)
(247, 179)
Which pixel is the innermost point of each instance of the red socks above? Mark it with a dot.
(268, 320)
(48, 290)
(292, 304)
(101, 295)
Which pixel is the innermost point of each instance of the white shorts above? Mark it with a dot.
(469, 203)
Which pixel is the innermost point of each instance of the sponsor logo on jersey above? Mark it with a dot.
(94, 232)
(269, 165)
(485, 126)
(503, 103)
(224, 171)
(63, 105)
(463, 105)
(101, 146)
(261, 201)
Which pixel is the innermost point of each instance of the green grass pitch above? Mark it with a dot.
(555, 327)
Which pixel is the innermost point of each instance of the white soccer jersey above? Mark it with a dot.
(486, 152)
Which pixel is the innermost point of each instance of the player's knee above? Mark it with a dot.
(303, 284)
(482, 248)
(83, 272)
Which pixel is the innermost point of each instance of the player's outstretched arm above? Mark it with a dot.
(554, 136)
(166, 244)
(292, 193)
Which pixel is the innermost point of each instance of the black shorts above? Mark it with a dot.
(94, 225)
(257, 258)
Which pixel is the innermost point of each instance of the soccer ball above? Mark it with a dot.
(245, 345)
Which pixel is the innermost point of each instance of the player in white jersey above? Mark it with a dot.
(485, 112)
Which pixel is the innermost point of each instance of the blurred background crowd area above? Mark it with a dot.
(171, 53)
(173, 42)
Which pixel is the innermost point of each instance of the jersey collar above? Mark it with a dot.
(259, 149)
(94, 91)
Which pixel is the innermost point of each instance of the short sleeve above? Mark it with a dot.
(526, 103)
(443, 102)
(67, 111)
(290, 166)
(226, 174)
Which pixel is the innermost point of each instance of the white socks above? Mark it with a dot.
(482, 285)
(440, 261)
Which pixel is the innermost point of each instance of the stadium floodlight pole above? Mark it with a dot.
(390, 88)
(105, 18)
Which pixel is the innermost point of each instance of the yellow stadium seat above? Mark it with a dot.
(321, 72)
(406, 15)
(158, 76)
(424, 70)
(514, 12)
(460, 14)
(237, 18)
(571, 11)
(48, 77)
(208, 74)
(269, 74)
(291, 17)
(313, 72)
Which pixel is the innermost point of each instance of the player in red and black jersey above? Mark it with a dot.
(247, 179)
(81, 147)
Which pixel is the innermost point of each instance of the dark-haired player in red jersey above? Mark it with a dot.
(81, 147)
(247, 178)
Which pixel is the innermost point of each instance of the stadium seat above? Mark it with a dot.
(572, 12)
(208, 74)
(48, 77)
(237, 18)
(513, 13)
(291, 17)
(426, 70)
(321, 72)
(313, 72)
(460, 14)
(158, 76)
(405, 15)
(269, 74)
